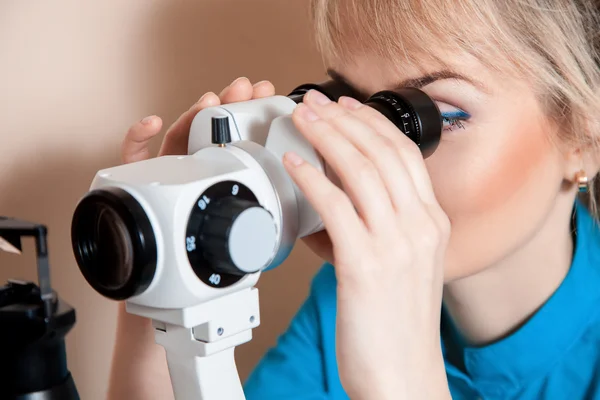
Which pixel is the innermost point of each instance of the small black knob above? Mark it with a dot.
(237, 236)
(221, 134)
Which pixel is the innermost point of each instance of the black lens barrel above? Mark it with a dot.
(114, 243)
(414, 113)
(410, 109)
(332, 89)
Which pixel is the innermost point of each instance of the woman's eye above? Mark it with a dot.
(453, 118)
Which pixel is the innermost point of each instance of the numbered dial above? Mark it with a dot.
(229, 235)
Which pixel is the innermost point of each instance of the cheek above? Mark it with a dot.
(491, 169)
(495, 186)
(508, 167)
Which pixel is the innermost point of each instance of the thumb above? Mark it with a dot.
(135, 145)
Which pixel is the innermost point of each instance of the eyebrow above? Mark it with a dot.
(420, 81)
(438, 76)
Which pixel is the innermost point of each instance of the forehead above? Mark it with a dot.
(369, 73)
(378, 42)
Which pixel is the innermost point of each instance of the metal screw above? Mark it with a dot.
(220, 331)
(252, 319)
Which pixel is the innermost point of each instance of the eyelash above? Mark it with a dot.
(454, 120)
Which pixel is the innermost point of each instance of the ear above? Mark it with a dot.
(581, 160)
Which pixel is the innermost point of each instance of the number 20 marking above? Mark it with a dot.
(190, 243)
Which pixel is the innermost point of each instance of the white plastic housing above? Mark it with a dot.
(249, 120)
(168, 188)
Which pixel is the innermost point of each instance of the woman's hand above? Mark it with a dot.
(135, 145)
(389, 237)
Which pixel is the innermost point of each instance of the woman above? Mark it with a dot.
(472, 274)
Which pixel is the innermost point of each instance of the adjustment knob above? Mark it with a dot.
(238, 236)
(221, 134)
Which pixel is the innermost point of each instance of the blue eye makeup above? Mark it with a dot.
(453, 118)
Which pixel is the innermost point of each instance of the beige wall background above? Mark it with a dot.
(75, 74)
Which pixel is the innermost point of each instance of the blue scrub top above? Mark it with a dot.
(555, 355)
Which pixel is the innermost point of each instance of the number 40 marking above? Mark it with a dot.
(215, 279)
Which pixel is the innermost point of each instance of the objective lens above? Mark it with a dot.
(410, 109)
(114, 243)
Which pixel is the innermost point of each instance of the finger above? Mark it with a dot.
(410, 152)
(240, 90)
(413, 161)
(358, 175)
(379, 149)
(176, 138)
(263, 89)
(344, 226)
(135, 145)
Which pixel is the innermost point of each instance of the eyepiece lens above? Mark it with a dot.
(414, 113)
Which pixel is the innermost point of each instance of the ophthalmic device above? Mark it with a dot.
(184, 239)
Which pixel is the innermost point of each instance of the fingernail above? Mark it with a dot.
(237, 80)
(306, 113)
(350, 103)
(147, 120)
(317, 97)
(257, 84)
(293, 158)
(204, 96)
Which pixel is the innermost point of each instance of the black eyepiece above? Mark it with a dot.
(332, 89)
(410, 109)
(114, 243)
(414, 113)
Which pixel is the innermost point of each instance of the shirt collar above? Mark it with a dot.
(535, 347)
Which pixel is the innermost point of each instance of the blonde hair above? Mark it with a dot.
(552, 44)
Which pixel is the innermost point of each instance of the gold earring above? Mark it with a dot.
(582, 181)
